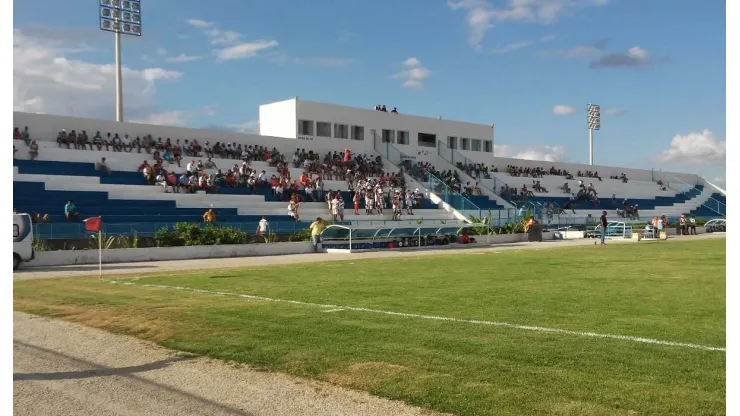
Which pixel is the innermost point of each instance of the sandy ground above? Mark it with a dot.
(65, 369)
(114, 269)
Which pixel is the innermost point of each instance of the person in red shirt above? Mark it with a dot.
(172, 180)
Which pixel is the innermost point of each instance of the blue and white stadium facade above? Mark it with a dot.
(128, 203)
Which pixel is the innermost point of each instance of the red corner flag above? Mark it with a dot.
(93, 224)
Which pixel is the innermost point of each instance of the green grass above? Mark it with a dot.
(668, 291)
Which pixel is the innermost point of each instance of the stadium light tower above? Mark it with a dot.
(120, 17)
(594, 123)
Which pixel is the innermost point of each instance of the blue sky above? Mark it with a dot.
(656, 67)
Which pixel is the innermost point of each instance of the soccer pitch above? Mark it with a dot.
(620, 329)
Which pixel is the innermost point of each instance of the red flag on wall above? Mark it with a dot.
(93, 224)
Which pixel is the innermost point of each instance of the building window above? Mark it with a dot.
(341, 131)
(323, 129)
(464, 143)
(358, 133)
(305, 127)
(489, 146)
(389, 136)
(426, 140)
(402, 137)
(451, 142)
(475, 145)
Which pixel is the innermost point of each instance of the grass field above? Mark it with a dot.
(671, 292)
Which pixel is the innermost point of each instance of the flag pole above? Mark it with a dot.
(100, 253)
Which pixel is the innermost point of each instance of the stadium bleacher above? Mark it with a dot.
(127, 202)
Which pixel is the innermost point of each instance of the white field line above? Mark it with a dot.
(336, 308)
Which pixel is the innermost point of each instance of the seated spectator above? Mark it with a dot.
(83, 141)
(126, 143)
(17, 134)
(98, 141)
(62, 138)
(161, 180)
(173, 182)
(566, 188)
(394, 111)
(210, 164)
(102, 166)
(116, 142)
(70, 211)
(37, 218)
(33, 150)
(209, 216)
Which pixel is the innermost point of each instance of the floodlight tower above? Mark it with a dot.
(120, 17)
(594, 123)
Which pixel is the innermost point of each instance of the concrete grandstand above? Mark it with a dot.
(400, 142)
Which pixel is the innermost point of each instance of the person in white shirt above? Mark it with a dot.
(263, 226)
(190, 168)
(126, 143)
(335, 207)
(207, 150)
(162, 181)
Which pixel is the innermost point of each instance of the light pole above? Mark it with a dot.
(594, 123)
(120, 17)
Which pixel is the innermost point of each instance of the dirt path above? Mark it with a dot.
(110, 270)
(65, 369)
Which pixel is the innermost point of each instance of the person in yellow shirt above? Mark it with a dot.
(209, 216)
(317, 227)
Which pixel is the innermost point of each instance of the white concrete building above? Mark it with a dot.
(359, 127)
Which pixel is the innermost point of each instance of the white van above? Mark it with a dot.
(22, 239)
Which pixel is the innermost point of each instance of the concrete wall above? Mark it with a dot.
(370, 120)
(279, 119)
(62, 258)
(46, 127)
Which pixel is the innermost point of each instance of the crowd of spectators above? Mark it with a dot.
(385, 110)
(25, 137)
(537, 172)
(476, 170)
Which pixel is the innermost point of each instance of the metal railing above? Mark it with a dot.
(429, 181)
(691, 192)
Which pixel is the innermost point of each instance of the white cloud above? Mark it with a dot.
(182, 58)
(411, 62)
(244, 50)
(543, 153)
(228, 44)
(511, 47)
(548, 38)
(49, 78)
(174, 118)
(563, 110)
(695, 149)
(166, 118)
(578, 51)
(282, 58)
(482, 16)
(200, 24)
(250, 126)
(614, 112)
(414, 74)
(632, 58)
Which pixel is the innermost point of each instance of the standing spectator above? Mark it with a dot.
(70, 211)
(692, 225)
(317, 227)
(209, 216)
(603, 222)
(263, 226)
(33, 150)
(26, 136)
